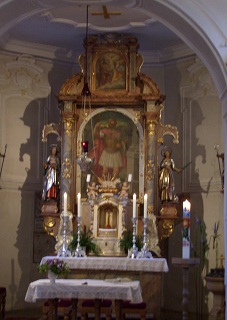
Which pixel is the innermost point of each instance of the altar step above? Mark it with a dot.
(87, 309)
(34, 313)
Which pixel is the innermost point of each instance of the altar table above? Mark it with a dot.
(112, 289)
(148, 271)
(113, 264)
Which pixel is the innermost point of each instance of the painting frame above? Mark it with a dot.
(110, 72)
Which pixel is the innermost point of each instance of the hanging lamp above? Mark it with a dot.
(84, 161)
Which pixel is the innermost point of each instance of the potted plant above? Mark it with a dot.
(215, 278)
(86, 241)
(54, 268)
(126, 241)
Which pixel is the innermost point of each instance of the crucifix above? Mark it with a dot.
(105, 13)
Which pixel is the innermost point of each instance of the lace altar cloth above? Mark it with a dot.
(120, 264)
(85, 289)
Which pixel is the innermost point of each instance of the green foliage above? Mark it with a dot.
(126, 241)
(56, 266)
(215, 237)
(86, 241)
(200, 247)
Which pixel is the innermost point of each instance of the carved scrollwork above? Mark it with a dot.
(167, 130)
(49, 225)
(51, 128)
(168, 227)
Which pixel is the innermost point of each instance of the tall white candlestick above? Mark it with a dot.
(79, 205)
(88, 178)
(186, 230)
(145, 206)
(134, 206)
(65, 204)
(129, 177)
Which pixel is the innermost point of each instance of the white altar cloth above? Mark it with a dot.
(114, 263)
(84, 289)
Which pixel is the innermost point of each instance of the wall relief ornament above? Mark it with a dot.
(23, 72)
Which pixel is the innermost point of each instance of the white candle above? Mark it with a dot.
(129, 177)
(186, 230)
(145, 206)
(79, 205)
(88, 178)
(187, 205)
(65, 204)
(134, 206)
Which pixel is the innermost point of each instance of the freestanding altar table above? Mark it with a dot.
(84, 289)
(147, 271)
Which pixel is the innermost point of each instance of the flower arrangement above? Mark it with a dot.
(56, 266)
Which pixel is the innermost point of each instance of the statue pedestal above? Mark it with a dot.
(185, 264)
(49, 207)
(167, 218)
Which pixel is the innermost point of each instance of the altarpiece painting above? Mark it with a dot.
(107, 132)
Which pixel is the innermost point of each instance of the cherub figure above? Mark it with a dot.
(92, 193)
(124, 191)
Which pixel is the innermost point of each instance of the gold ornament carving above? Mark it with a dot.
(167, 228)
(137, 117)
(151, 129)
(150, 210)
(49, 224)
(150, 170)
(68, 125)
(167, 129)
(168, 210)
(66, 169)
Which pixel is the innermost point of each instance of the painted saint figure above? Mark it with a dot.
(51, 175)
(166, 179)
(109, 150)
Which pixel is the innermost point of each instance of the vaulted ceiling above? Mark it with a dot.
(166, 30)
(51, 25)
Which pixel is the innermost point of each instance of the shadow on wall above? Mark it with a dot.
(38, 243)
(187, 124)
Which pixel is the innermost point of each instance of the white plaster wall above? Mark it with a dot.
(193, 106)
(27, 101)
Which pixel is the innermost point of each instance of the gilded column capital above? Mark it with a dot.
(68, 124)
(154, 113)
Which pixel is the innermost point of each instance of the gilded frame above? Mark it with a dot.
(110, 72)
